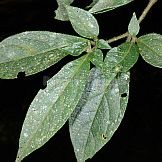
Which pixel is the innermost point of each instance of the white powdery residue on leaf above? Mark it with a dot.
(83, 22)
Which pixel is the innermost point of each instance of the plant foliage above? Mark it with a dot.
(98, 113)
(93, 100)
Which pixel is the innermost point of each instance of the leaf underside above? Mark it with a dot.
(98, 113)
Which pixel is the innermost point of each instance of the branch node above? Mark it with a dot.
(141, 18)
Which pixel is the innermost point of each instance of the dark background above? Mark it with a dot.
(139, 137)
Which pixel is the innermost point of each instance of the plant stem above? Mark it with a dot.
(146, 10)
(141, 18)
(116, 38)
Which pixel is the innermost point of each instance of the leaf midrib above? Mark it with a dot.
(103, 94)
(26, 144)
(35, 55)
(125, 55)
(151, 49)
(84, 26)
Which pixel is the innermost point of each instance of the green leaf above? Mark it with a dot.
(34, 51)
(150, 48)
(102, 44)
(61, 13)
(98, 114)
(97, 58)
(83, 22)
(52, 107)
(107, 5)
(133, 27)
(121, 58)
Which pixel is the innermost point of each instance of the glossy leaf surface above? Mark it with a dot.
(121, 58)
(150, 48)
(34, 51)
(52, 106)
(83, 22)
(98, 114)
(107, 5)
(133, 27)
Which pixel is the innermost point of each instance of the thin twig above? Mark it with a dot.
(116, 38)
(146, 10)
(141, 18)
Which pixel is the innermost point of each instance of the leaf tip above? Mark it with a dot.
(133, 27)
